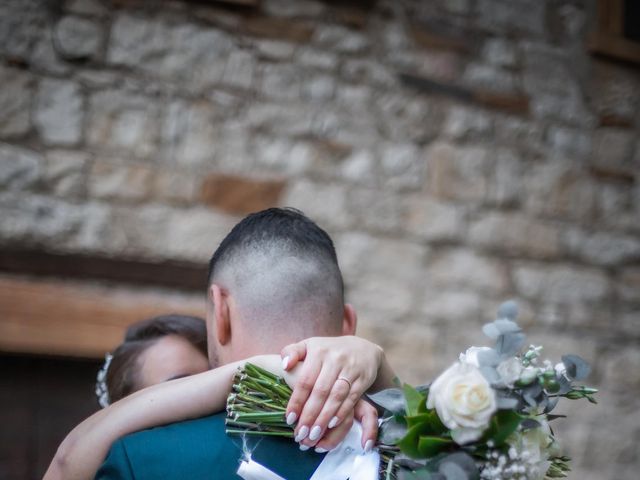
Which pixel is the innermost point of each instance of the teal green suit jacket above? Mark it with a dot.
(201, 450)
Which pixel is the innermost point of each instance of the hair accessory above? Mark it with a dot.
(102, 392)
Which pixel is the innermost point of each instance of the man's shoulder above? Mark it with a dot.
(201, 449)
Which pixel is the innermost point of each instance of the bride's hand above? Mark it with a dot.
(336, 372)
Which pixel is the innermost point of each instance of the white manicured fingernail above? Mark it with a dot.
(291, 418)
(304, 448)
(333, 422)
(368, 446)
(285, 362)
(302, 433)
(315, 433)
(321, 450)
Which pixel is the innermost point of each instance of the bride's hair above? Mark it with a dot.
(120, 375)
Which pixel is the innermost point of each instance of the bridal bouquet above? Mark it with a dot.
(486, 417)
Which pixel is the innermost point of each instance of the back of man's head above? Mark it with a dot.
(282, 271)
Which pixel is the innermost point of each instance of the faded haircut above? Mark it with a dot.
(282, 270)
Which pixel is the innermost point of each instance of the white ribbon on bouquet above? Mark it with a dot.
(347, 461)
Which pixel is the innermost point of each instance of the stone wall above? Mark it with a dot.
(460, 152)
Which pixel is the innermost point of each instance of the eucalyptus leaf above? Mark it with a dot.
(529, 424)
(508, 309)
(507, 403)
(491, 375)
(392, 430)
(577, 368)
(491, 330)
(509, 343)
(551, 404)
(504, 325)
(565, 385)
(463, 463)
(391, 399)
(488, 358)
(531, 394)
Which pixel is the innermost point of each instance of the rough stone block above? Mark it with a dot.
(59, 112)
(452, 306)
(601, 248)
(403, 166)
(380, 211)
(507, 180)
(239, 70)
(15, 101)
(20, 168)
(78, 38)
(319, 88)
(66, 172)
(509, 234)
(561, 283)
(613, 148)
(325, 203)
(570, 141)
(507, 17)
(489, 77)
(500, 52)
(465, 268)
(628, 285)
(560, 189)
(123, 120)
(237, 195)
(281, 81)
(174, 186)
(179, 51)
(316, 58)
(120, 182)
(464, 123)
(281, 155)
(434, 221)
(275, 49)
(457, 173)
(340, 39)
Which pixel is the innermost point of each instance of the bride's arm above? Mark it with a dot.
(85, 448)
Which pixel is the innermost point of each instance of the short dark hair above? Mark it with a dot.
(284, 234)
(123, 375)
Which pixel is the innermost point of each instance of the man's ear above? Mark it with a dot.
(221, 318)
(349, 320)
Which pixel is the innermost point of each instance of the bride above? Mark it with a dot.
(167, 399)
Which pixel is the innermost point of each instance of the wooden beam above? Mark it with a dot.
(176, 275)
(79, 319)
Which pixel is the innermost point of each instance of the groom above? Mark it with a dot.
(274, 280)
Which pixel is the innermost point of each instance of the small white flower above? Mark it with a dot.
(510, 371)
(561, 369)
(470, 357)
(528, 375)
(464, 401)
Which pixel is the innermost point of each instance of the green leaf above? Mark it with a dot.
(429, 446)
(432, 421)
(415, 401)
(409, 443)
(502, 425)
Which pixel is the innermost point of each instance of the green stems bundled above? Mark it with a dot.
(257, 404)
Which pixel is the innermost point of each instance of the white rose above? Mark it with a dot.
(471, 355)
(510, 371)
(464, 401)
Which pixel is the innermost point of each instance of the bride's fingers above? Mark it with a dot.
(334, 436)
(322, 389)
(302, 388)
(367, 415)
(326, 417)
(292, 354)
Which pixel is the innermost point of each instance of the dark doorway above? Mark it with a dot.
(41, 400)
